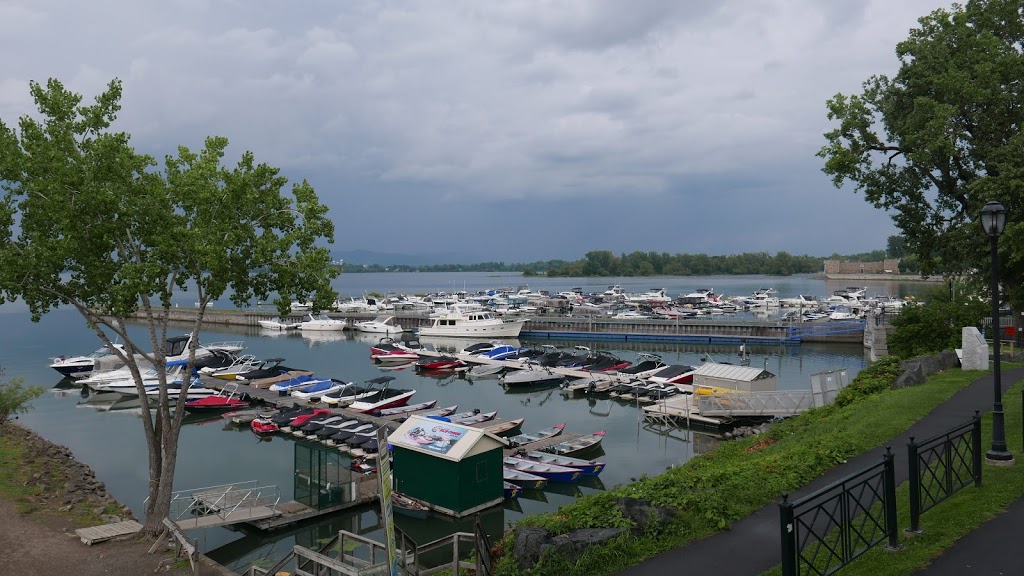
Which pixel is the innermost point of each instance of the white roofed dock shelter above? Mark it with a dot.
(739, 378)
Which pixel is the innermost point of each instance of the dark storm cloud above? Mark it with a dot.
(575, 124)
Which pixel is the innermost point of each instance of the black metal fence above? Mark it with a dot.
(942, 466)
(824, 531)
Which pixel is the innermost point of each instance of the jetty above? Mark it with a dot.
(704, 330)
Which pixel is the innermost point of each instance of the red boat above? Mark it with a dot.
(263, 425)
(387, 350)
(228, 399)
(442, 363)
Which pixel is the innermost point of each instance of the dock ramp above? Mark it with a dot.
(224, 505)
(775, 403)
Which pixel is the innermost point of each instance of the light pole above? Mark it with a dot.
(993, 218)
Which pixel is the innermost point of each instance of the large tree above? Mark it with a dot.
(89, 222)
(942, 137)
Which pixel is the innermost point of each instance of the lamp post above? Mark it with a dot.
(993, 218)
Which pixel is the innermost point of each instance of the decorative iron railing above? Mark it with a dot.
(942, 466)
(826, 530)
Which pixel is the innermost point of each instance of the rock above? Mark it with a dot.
(529, 541)
(948, 359)
(911, 377)
(643, 514)
(573, 544)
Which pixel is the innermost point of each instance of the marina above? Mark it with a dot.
(215, 451)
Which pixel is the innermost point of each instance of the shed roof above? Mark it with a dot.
(443, 439)
(731, 372)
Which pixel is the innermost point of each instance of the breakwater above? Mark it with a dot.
(715, 330)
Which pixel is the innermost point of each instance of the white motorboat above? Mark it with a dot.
(474, 324)
(321, 322)
(241, 365)
(380, 325)
(83, 366)
(195, 391)
(277, 325)
(842, 313)
(301, 306)
(358, 305)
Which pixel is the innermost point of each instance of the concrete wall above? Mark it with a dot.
(888, 266)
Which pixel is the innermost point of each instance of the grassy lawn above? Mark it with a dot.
(714, 490)
(957, 516)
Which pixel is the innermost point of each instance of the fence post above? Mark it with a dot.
(788, 531)
(914, 473)
(976, 448)
(889, 479)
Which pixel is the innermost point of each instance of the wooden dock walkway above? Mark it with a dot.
(106, 532)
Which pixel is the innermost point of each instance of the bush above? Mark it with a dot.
(15, 398)
(875, 378)
(934, 326)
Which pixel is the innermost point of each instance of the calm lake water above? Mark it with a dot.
(210, 453)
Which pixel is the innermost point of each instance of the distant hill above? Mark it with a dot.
(387, 259)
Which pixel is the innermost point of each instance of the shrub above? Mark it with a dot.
(875, 378)
(15, 398)
(934, 326)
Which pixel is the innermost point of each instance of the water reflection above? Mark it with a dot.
(108, 437)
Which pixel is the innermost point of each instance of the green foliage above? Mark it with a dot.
(605, 263)
(713, 490)
(934, 143)
(877, 377)
(935, 325)
(99, 227)
(15, 397)
(952, 519)
(102, 229)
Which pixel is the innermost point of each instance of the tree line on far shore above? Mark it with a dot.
(607, 263)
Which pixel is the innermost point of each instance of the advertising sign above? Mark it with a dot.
(437, 437)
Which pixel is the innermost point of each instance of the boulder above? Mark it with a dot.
(948, 359)
(643, 514)
(912, 376)
(575, 543)
(527, 551)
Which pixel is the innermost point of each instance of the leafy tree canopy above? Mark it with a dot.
(86, 220)
(934, 143)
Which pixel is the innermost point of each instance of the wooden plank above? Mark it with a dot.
(105, 532)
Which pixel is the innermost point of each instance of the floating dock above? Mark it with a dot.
(716, 330)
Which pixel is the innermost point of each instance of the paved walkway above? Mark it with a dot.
(753, 544)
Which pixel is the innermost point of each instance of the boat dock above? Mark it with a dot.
(715, 330)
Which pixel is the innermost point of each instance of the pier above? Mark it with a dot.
(705, 330)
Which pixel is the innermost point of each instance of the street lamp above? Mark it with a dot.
(993, 218)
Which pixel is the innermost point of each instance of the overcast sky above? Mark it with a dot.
(507, 130)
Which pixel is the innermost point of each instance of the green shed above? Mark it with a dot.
(456, 469)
